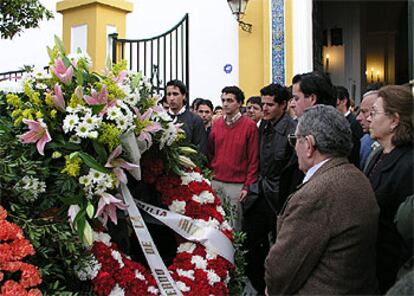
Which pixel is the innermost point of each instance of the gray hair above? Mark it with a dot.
(330, 129)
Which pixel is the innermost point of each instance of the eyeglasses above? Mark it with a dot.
(292, 139)
(374, 113)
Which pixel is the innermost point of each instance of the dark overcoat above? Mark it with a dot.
(392, 182)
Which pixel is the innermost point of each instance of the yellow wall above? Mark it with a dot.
(288, 42)
(96, 15)
(254, 49)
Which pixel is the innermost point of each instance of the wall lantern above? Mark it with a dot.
(238, 8)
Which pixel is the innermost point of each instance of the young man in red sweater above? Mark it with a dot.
(233, 149)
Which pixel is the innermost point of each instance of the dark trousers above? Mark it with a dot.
(258, 222)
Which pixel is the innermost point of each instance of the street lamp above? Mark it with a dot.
(238, 7)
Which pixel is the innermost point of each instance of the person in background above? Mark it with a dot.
(205, 111)
(343, 104)
(192, 124)
(163, 102)
(218, 110)
(310, 89)
(368, 100)
(254, 109)
(326, 231)
(233, 152)
(390, 172)
(277, 165)
(291, 111)
(194, 104)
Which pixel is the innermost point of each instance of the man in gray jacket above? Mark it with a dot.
(326, 232)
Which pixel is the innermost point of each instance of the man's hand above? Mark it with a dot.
(243, 194)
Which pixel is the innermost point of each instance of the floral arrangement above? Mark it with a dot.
(13, 248)
(66, 133)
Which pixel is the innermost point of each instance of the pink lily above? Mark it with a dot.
(121, 76)
(62, 73)
(97, 99)
(72, 212)
(58, 99)
(107, 206)
(118, 164)
(152, 128)
(38, 133)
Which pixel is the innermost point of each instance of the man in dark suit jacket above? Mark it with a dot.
(278, 165)
(193, 125)
(343, 104)
(326, 231)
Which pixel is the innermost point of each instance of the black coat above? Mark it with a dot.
(357, 134)
(279, 174)
(392, 181)
(193, 127)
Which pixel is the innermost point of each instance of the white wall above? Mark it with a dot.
(213, 40)
(30, 47)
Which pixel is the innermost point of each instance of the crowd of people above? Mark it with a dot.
(322, 189)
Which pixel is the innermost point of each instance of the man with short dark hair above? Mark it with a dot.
(193, 126)
(327, 231)
(310, 89)
(233, 152)
(205, 111)
(343, 103)
(278, 169)
(254, 109)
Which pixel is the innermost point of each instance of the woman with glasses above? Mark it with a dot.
(390, 172)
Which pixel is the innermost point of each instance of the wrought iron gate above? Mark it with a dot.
(161, 58)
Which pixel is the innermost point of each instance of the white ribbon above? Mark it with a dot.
(165, 282)
(130, 144)
(192, 230)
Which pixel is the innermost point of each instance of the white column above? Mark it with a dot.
(302, 36)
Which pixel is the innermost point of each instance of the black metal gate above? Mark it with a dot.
(160, 58)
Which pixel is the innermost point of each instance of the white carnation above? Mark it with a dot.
(117, 256)
(178, 206)
(117, 291)
(221, 210)
(204, 197)
(183, 287)
(187, 178)
(210, 254)
(139, 275)
(153, 290)
(212, 277)
(186, 273)
(199, 262)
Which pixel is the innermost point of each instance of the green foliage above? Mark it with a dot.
(44, 222)
(16, 15)
(58, 249)
(238, 276)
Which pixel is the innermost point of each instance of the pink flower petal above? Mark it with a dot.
(120, 175)
(117, 151)
(127, 165)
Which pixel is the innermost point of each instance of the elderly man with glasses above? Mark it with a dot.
(326, 232)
